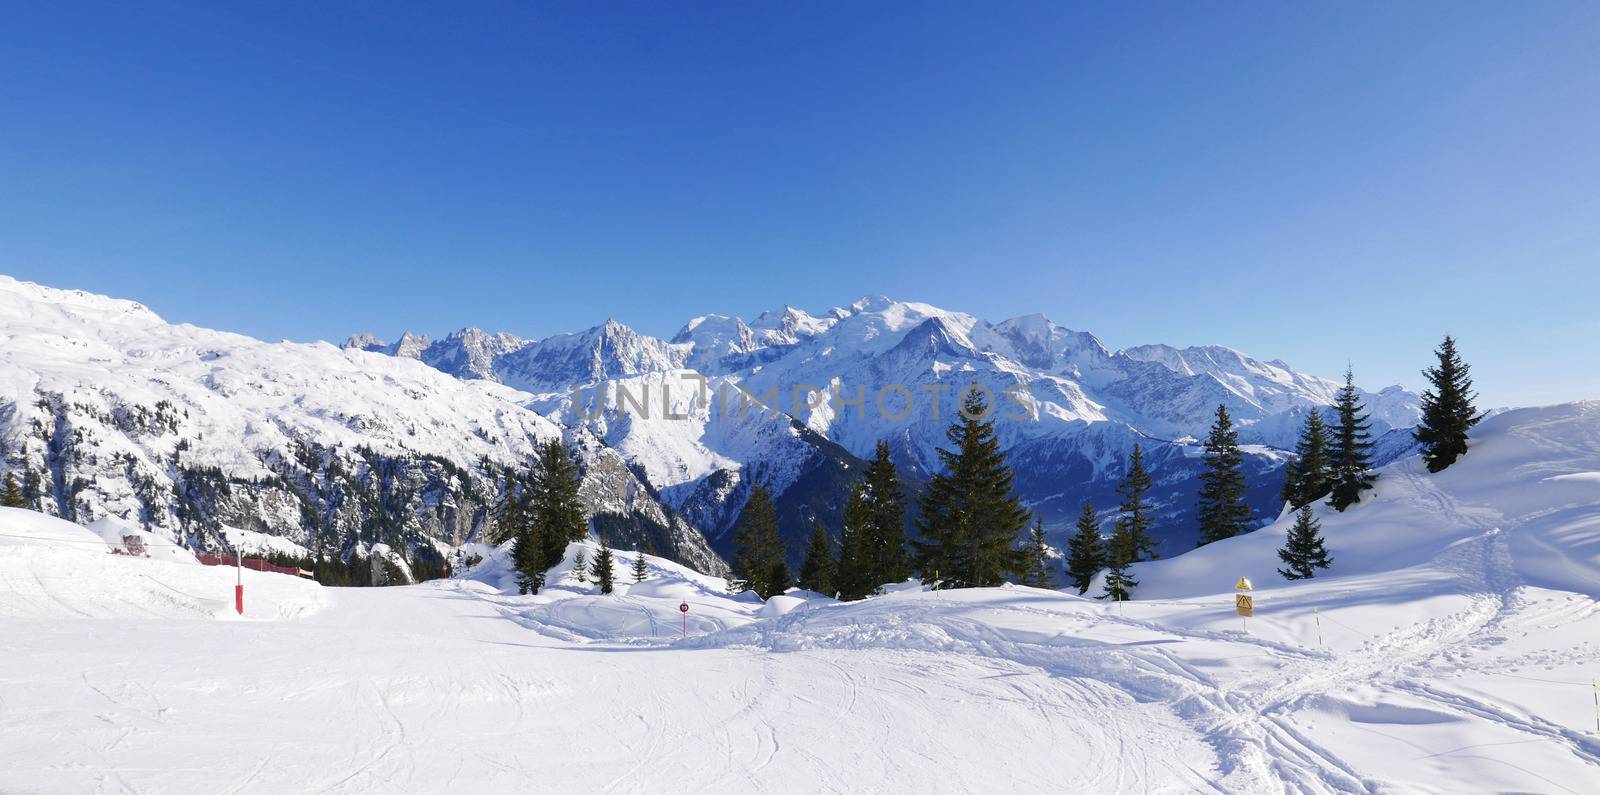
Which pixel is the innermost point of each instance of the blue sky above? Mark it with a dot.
(1316, 183)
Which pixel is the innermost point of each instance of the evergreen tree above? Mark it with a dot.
(1223, 511)
(11, 495)
(580, 568)
(1036, 558)
(556, 507)
(1136, 509)
(1303, 551)
(601, 569)
(818, 570)
(1447, 410)
(640, 570)
(970, 516)
(882, 544)
(517, 526)
(1350, 466)
(851, 580)
(1122, 552)
(1086, 553)
(1306, 478)
(758, 558)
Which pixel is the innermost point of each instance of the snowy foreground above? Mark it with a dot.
(1459, 637)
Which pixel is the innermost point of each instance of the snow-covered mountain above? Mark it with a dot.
(106, 409)
(1088, 404)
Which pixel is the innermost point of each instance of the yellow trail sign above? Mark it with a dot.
(1242, 603)
(1243, 606)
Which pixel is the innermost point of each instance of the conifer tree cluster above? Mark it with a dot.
(1036, 558)
(11, 494)
(1223, 511)
(1349, 459)
(542, 513)
(1303, 551)
(758, 563)
(971, 518)
(872, 551)
(1447, 409)
(1086, 552)
(1131, 542)
(820, 569)
(1307, 477)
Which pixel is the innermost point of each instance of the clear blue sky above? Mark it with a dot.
(1316, 182)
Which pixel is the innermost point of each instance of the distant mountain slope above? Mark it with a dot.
(1089, 404)
(106, 409)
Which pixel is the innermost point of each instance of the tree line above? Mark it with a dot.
(971, 519)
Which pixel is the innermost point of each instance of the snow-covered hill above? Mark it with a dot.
(1450, 649)
(106, 409)
(1089, 404)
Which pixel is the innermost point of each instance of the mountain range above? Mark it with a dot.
(108, 409)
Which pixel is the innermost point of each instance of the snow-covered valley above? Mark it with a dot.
(1450, 648)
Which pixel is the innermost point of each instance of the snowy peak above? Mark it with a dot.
(610, 350)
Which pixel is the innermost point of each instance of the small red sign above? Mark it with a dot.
(683, 607)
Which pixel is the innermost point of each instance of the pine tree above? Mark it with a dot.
(1447, 410)
(517, 526)
(1136, 509)
(556, 507)
(851, 580)
(758, 559)
(1086, 553)
(11, 496)
(1349, 463)
(1303, 551)
(1122, 552)
(882, 545)
(1036, 558)
(1223, 511)
(640, 570)
(971, 518)
(1306, 478)
(601, 569)
(818, 570)
(580, 568)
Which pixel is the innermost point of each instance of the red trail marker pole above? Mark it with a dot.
(238, 586)
(683, 607)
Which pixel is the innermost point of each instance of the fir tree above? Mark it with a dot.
(1122, 552)
(11, 495)
(818, 570)
(1223, 511)
(1303, 551)
(970, 516)
(851, 580)
(517, 526)
(1036, 558)
(1349, 464)
(758, 559)
(601, 568)
(580, 568)
(556, 507)
(1136, 509)
(1447, 410)
(640, 570)
(1306, 478)
(1086, 553)
(882, 544)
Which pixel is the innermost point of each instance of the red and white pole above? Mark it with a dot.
(683, 607)
(238, 587)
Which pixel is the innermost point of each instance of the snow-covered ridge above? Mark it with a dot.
(107, 410)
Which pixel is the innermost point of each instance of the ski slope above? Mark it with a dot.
(1459, 635)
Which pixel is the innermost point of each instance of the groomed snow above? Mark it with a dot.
(1458, 639)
